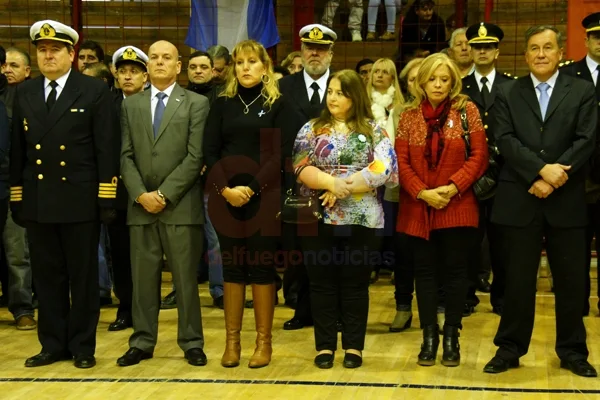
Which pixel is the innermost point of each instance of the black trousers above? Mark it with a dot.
(118, 233)
(565, 248)
(64, 260)
(485, 255)
(248, 237)
(339, 261)
(442, 261)
(3, 262)
(593, 229)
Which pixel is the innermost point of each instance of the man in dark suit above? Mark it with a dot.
(130, 63)
(481, 86)
(546, 131)
(63, 176)
(305, 94)
(588, 68)
(161, 159)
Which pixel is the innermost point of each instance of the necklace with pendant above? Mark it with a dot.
(247, 106)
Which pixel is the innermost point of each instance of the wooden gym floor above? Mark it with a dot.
(389, 371)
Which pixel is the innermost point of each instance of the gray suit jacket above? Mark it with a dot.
(171, 163)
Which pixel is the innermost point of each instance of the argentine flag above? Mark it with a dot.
(231, 21)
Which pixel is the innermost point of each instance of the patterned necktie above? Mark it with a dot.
(485, 92)
(544, 98)
(51, 100)
(159, 111)
(315, 99)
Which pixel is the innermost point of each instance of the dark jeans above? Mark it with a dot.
(593, 229)
(442, 258)
(339, 261)
(16, 249)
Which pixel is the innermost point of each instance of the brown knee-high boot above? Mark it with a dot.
(264, 308)
(235, 294)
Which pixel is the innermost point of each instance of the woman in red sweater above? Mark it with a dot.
(439, 211)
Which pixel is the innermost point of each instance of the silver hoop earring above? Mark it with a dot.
(267, 80)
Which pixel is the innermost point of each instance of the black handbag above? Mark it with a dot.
(485, 187)
(299, 209)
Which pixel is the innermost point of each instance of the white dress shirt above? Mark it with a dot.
(322, 82)
(62, 81)
(491, 76)
(593, 66)
(551, 82)
(154, 100)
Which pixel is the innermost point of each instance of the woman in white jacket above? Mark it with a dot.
(385, 94)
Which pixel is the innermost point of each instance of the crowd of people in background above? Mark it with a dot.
(112, 171)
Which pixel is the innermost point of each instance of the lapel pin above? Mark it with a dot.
(261, 113)
(468, 86)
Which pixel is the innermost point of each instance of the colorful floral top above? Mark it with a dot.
(343, 154)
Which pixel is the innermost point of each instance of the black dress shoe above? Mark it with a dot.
(352, 360)
(468, 310)
(82, 361)
(133, 356)
(218, 302)
(484, 286)
(579, 367)
(105, 301)
(499, 364)
(294, 324)
(325, 360)
(44, 358)
(169, 302)
(121, 323)
(196, 357)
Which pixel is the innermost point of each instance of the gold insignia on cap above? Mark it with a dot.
(129, 54)
(47, 31)
(316, 34)
(482, 32)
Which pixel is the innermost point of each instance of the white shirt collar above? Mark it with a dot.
(592, 65)
(322, 82)
(62, 81)
(491, 76)
(154, 91)
(551, 81)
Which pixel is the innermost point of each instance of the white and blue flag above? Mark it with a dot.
(230, 22)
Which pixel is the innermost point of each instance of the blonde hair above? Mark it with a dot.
(290, 58)
(270, 89)
(390, 67)
(427, 69)
(360, 114)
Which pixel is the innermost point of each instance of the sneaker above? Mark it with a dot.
(388, 37)
(356, 37)
(371, 36)
(26, 323)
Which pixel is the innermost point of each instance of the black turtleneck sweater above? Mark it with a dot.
(245, 149)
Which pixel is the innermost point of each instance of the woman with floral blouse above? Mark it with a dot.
(345, 156)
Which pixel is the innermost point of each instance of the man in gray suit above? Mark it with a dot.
(161, 159)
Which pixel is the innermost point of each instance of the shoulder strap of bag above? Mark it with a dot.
(465, 127)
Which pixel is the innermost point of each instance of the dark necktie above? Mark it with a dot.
(159, 111)
(598, 83)
(51, 100)
(315, 99)
(485, 92)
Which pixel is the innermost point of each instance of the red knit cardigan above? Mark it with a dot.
(416, 218)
